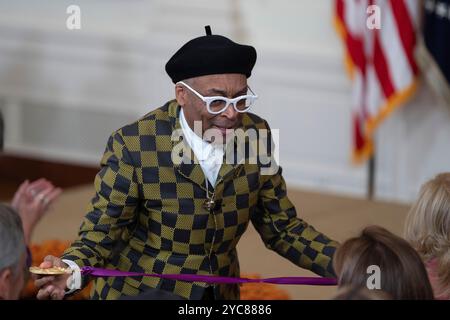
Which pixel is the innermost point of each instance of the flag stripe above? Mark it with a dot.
(406, 30)
(355, 46)
(381, 68)
(392, 48)
(414, 12)
(340, 9)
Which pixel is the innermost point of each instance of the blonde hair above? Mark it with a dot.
(427, 226)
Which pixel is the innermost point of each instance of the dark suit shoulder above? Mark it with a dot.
(156, 122)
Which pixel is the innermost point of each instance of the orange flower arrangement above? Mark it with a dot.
(249, 291)
(262, 291)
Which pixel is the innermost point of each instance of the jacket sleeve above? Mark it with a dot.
(112, 209)
(275, 219)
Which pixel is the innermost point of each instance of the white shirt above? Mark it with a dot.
(208, 154)
(210, 157)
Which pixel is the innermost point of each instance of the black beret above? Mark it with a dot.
(210, 54)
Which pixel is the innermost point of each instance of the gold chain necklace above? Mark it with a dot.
(209, 202)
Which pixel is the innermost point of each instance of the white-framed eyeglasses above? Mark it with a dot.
(218, 104)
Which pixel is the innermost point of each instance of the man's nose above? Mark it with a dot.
(230, 112)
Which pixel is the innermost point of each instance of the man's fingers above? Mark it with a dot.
(50, 258)
(57, 294)
(54, 293)
(42, 294)
(46, 264)
(52, 261)
(45, 292)
(43, 281)
(49, 292)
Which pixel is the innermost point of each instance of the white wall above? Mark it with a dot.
(64, 91)
(413, 146)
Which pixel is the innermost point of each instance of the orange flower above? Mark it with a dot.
(261, 291)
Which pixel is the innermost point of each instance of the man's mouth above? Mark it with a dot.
(222, 129)
(227, 132)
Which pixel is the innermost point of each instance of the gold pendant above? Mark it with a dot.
(209, 204)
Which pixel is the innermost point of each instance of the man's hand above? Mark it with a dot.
(31, 201)
(52, 287)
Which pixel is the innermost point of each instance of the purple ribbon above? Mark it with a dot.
(313, 281)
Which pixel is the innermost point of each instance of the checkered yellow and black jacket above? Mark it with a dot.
(148, 215)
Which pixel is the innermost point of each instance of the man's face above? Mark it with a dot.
(13, 281)
(226, 85)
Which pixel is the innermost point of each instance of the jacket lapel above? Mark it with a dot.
(190, 167)
(233, 161)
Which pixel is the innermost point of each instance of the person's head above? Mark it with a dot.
(401, 271)
(427, 225)
(12, 254)
(213, 66)
(229, 85)
(359, 293)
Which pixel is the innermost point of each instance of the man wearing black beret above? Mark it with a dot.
(155, 214)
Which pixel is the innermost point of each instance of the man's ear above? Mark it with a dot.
(5, 283)
(180, 95)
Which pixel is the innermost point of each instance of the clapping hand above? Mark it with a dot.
(32, 201)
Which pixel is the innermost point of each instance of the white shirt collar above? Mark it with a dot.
(209, 155)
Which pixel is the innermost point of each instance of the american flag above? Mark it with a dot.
(380, 62)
